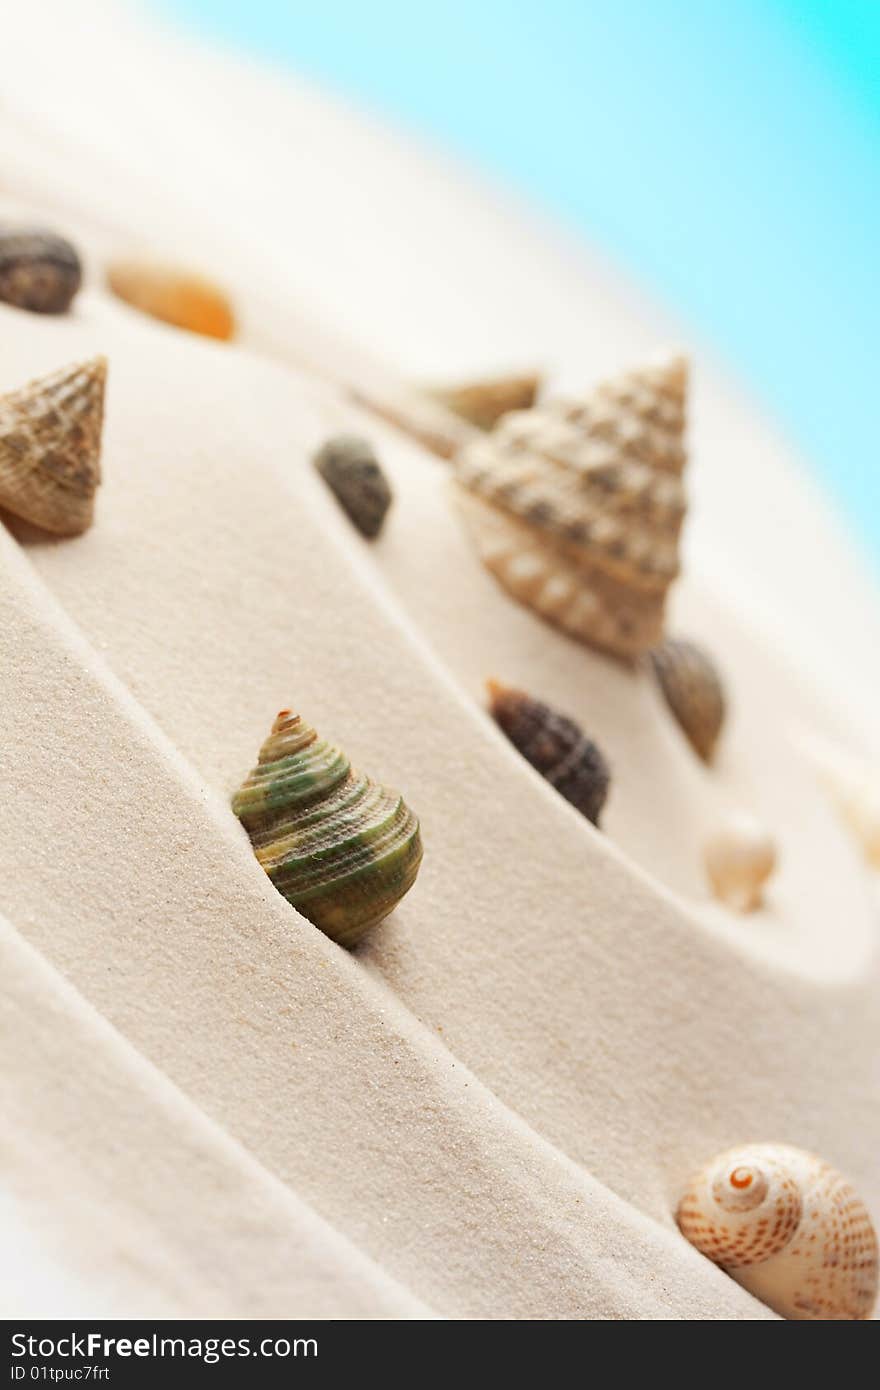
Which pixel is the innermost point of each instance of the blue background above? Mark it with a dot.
(724, 152)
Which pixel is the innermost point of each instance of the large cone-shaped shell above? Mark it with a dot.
(340, 847)
(576, 507)
(50, 448)
(788, 1228)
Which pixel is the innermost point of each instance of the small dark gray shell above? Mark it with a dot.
(349, 467)
(694, 691)
(555, 746)
(39, 270)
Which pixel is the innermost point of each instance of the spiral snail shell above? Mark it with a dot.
(788, 1228)
(555, 746)
(50, 448)
(576, 506)
(340, 847)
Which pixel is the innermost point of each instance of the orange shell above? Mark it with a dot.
(174, 295)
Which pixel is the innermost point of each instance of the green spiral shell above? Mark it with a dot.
(340, 847)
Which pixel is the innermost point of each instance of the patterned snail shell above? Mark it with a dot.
(555, 746)
(788, 1228)
(340, 847)
(576, 506)
(50, 447)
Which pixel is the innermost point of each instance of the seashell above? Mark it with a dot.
(858, 802)
(788, 1228)
(692, 685)
(740, 857)
(555, 746)
(50, 447)
(483, 403)
(175, 296)
(340, 847)
(576, 507)
(415, 414)
(854, 793)
(351, 470)
(39, 270)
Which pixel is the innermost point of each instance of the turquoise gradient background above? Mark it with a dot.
(723, 152)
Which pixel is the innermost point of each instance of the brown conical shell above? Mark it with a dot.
(576, 507)
(692, 686)
(555, 746)
(50, 448)
(483, 403)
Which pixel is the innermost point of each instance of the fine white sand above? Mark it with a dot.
(488, 1110)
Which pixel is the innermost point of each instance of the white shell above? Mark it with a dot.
(854, 792)
(788, 1228)
(740, 856)
(858, 801)
(576, 507)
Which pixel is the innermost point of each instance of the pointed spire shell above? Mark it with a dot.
(50, 447)
(340, 847)
(576, 507)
